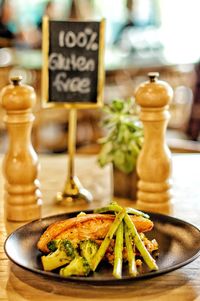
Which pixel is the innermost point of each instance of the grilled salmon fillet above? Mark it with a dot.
(94, 226)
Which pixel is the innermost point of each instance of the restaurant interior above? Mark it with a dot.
(152, 43)
(140, 37)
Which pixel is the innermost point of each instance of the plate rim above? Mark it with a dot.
(96, 281)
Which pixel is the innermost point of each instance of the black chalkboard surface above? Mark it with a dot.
(73, 72)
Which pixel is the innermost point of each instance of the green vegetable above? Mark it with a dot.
(117, 269)
(77, 267)
(88, 248)
(53, 245)
(64, 253)
(130, 254)
(116, 208)
(124, 135)
(139, 244)
(104, 245)
(79, 261)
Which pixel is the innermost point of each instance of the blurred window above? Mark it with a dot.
(178, 21)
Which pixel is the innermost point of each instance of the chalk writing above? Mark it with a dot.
(84, 39)
(75, 84)
(57, 61)
(73, 61)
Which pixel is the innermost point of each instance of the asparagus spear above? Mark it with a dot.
(104, 245)
(130, 210)
(116, 208)
(117, 269)
(139, 244)
(130, 254)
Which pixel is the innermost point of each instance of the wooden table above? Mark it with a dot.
(183, 284)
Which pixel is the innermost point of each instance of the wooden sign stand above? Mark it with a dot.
(73, 78)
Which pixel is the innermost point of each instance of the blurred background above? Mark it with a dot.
(141, 36)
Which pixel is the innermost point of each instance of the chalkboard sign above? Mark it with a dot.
(73, 70)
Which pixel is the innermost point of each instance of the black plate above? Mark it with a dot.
(179, 244)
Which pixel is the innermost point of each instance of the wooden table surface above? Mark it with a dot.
(182, 284)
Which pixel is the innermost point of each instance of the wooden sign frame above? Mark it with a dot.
(46, 103)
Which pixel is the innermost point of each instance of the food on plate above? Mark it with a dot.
(112, 234)
(94, 226)
(62, 252)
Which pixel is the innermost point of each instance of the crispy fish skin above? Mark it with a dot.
(94, 226)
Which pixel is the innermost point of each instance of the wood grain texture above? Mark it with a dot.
(20, 164)
(154, 160)
(180, 285)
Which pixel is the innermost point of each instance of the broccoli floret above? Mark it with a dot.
(53, 245)
(88, 249)
(63, 254)
(77, 267)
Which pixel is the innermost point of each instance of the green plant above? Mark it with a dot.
(124, 135)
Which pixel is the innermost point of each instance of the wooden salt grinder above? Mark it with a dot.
(154, 161)
(20, 164)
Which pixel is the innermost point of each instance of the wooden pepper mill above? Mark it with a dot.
(20, 164)
(154, 161)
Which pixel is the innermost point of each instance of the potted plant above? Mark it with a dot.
(121, 145)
